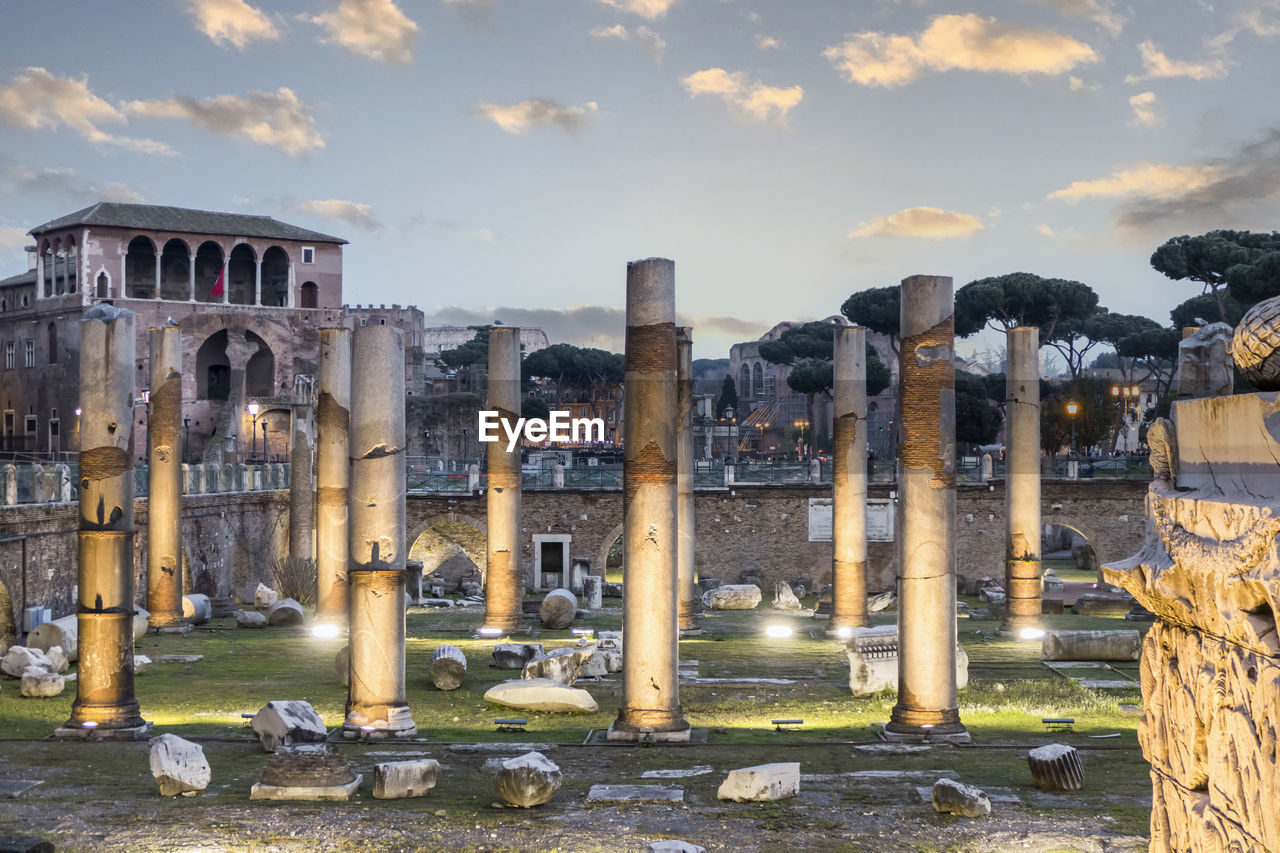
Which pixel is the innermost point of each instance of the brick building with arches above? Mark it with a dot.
(250, 293)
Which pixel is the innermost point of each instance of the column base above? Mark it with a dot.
(908, 725)
(398, 724)
(927, 736)
(142, 732)
(616, 735)
(1022, 627)
(493, 625)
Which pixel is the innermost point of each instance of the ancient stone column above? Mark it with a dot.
(333, 460)
(1022, 482)
(688, 619)
(504, 583)
(164, 481)
(376, 705)
(650, 707)
(849, 482)
(105, 700)
(301, 476)
(927, 487)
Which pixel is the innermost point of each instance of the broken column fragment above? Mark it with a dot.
(849, 481)
(105, 701)
(504, 583)
(650, 706)
(376, 704)
(927, 482)
(333, 461)
(164, 480)
(1022, 483)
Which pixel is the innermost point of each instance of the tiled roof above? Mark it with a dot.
(151, 217)
(28, 277)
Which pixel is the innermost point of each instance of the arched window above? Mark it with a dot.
(53, 344)
(104, 286)
(744, 382)
(757, 379)
(275, 277)
(208, 268)
(140, 269)
(175, 271)
(309, 295)
(73, 265)
(213, 369)
(260, 370)
(242, 275)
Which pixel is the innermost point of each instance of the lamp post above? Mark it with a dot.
(186, 440)
(802, 425)
(1073, 409)
(1122, 395)
(253, 410)
(264, 440)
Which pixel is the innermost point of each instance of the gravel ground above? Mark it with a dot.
(101, 797)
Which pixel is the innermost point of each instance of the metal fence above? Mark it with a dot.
(28, 482)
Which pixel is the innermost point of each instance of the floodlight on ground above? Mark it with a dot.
(778, 632)
(844, 632)
(786, 725)
(491, 632)
(510, 724)
(1031, 634)
(89, 724)
(324, 630)
(582, 632)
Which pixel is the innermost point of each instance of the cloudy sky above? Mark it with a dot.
(506, 158)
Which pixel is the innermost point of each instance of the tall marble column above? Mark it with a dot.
(504, 582)
(688, 618)
(105, 701)
(164, 481)
(650, 708)
(849, 482)
(333, 460)
(376, 704)
(1022, 483)
(927, 488)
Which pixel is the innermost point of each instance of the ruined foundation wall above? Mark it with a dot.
(1209, 569)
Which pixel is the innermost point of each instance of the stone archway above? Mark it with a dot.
(1070, 543)
(453, 550)
(601, 565)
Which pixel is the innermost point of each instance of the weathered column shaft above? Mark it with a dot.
(164, 480)
(376, 704)
(849, 481)
(927, 484)
(301, 482)
(333, 466)
(688, 619)
(1022, 481)
(104, 686)
(650, 707)
(504, 582)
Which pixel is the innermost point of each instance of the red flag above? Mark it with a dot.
(218, 286)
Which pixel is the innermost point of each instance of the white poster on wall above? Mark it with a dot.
(879, 520)
(819, 519)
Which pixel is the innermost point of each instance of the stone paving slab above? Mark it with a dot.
(635, 794)
(12, 788)
(696, 770)
(260, 791)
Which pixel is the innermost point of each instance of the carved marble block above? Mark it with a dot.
(1209, 568)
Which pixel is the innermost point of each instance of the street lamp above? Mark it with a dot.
(1073, 409)
(802, 425)
(264, 440)
(253, 410)
(186, 443)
